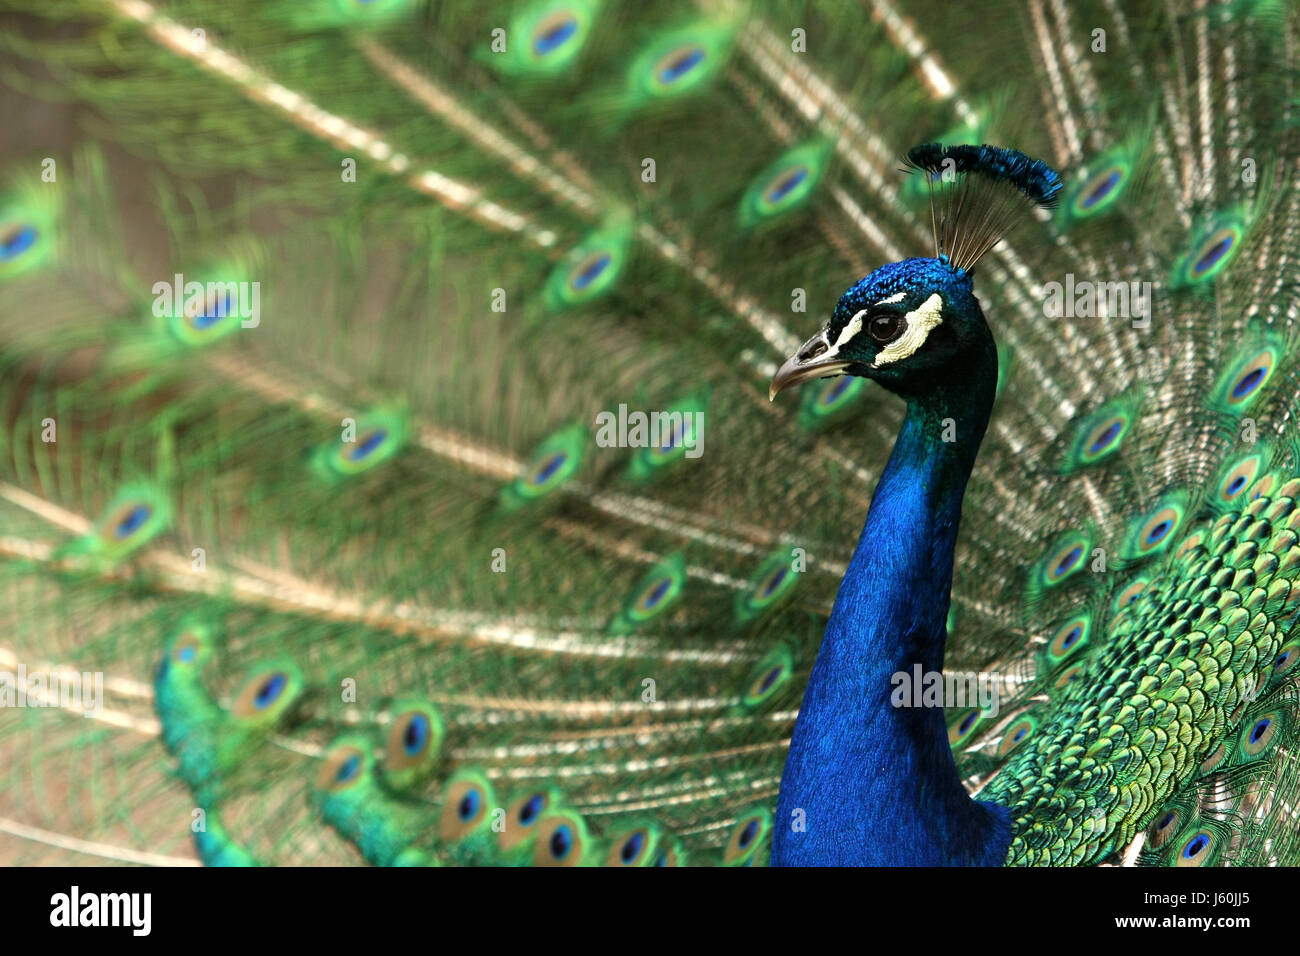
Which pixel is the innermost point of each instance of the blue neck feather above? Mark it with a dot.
(877, 784)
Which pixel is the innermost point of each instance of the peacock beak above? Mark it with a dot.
(815, 359)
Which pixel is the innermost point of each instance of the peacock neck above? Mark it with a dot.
(876, 783)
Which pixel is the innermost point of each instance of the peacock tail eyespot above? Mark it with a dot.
(748, 834)
(1069, 637)
(1215, 249)
(522, 816)
(1245, 384)
(465, 804)
(416, 736)
(961, 726)
(187, 648)
(1247, 377)
(679, 433)
(1019, 731)
(833, 392)
(345, 765)
(676, 64)
(413, 744)
(370, 440)
(1104, 438)
(1214, 759)
(1100, 190)
(1069, 676)
(209, 314)
(1065, 559)
(772, 672)
(680, 438)
(554, 31)
(774, 580)
(468, 806)
(16, 239)
(1285, 659)
(1259, 735)
(203, 313)
(632, 847)
(29, 220)
(1101, 434)
(655, 594)
(1155, 532)
(589, 270)
(348, 770)
(1240, 477)
(547, 469)
(1165, 827)
(785, 184)
(267, 694)
(553, 37)
(651, 597)
(824, 402)
(132, 519)
(561, 840)
(367, 444)
(1128, 594)
(1099, 187)
(1214, 246)
(643, 844)
(1197, 850)
(554, 462)
(270, 690)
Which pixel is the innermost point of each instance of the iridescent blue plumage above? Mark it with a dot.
(868, 781)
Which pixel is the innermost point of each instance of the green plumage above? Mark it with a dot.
(360, 575)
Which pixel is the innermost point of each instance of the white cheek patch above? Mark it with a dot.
(920, 323)
(851, 328)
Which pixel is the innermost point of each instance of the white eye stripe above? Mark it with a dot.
(851, 328)
(920, 323)
(896, 297)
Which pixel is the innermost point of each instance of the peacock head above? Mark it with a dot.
(911, 326)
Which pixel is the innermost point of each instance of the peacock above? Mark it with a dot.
(413, 452)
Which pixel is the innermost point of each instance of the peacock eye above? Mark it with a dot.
(884, 327)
